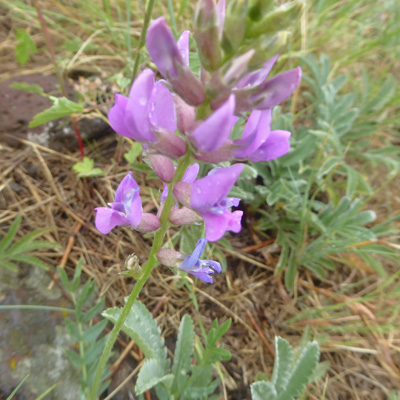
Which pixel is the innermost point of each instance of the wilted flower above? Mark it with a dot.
(207, 196)
(126, 210)
(148, 115)
(201, 269)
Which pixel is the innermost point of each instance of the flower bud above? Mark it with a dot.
(237, 68)
(234, 26)
(170, 258)
(279, 19)
(265, 48)
(182, 191)
(185, 114)
(183, 216)
(162, 166)
(169, 144)
(148, 223)
(133, 267)
(258, 8)
(206, 34)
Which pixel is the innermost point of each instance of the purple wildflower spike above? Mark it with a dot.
(255, 78)
(171, 62)
(201, 269)
(211, 134)
(207, 196)
(126, 210)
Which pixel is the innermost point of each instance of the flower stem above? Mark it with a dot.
(148, 267)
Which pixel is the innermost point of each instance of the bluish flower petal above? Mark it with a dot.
(192, 260)
(191, 173)
(203, 276)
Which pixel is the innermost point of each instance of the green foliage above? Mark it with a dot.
(84, 330)
(316, 198)
(20, 251)
(290, 375)
(25, 47)
(85, 168)
(28, 87)
(61, 107)
(186, 379)
(132, 155)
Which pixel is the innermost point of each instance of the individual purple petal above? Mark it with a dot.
(234, 224)
(163, 49)
(160, 109)
(191, 173)
(116, 117)
(216, 224)
(214, 265)
(255, 133)
(209, 191)
(133, 211)
(148, 223)
(215, 130)
(107, 219)
(203, 275)
(183, 46)
(191, 261)
(275, 146)
(276, 89)
(126, 188)
(136, 111)
(255, 78)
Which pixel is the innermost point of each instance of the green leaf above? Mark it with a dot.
(32, 260)
(73, 330)
(183, 353)
(25, 47)
(47, 391)
(76, 280)
(28, 87)
(302, 372)
(135, 151)
(91, 334)
(75, 359)
(22, 244)
(9, 237)
(64, 278)
(61, 107)
(262, 391)
(85, 168)
(151, 374)
(282, 364)
(88, 315)
(142, 328)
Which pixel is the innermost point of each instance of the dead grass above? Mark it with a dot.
(39, 184)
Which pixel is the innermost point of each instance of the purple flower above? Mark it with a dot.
(126, 210)
(258, 142)
(207, 196)
(148, 115)
(201, 269)
(171, 59)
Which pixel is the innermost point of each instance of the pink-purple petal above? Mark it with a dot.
(183, 46)
(116, 117)
(107, 219)
(275, 146)
(126, 186)
(216, 129)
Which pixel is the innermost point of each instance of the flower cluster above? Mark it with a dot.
(185, 115)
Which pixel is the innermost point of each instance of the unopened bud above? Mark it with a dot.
(133, 267)
(206, 34)
(265, 48)
(234, 26)
(258, 8)
(237, 68)
(183, 216)
(185, 114)
(280, 18)
(162, 166)
(170, 258)
(148, 223)
(169, 144)
(182, 192)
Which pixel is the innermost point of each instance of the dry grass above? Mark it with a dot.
(39, 184)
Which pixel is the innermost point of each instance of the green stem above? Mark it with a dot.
(142, 38)
(148, 267)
